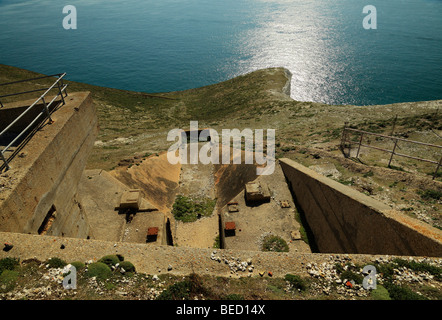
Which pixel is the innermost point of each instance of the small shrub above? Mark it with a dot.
(430, 194)
(368, 174)
(296, 282)
(110, 260)
(78, 265)
(177, 291)
(275, 244)
(185, 290)
(8, 264)
(350, 275)
(217, 242)
(56, 263)
(100, 270)
(8, 279)
(403, 293)
(127, 266)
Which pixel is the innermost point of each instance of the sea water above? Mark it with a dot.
(171, 45)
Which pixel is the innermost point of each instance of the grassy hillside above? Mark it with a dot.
(136, 123)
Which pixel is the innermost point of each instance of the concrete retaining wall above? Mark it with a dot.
(48, 174)
(344, 220)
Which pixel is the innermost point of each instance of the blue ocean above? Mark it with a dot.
(170, 45)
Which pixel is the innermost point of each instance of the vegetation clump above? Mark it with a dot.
(99, 270)
(126, 266)
(110, 260)
(296, 282)
(8, 264)
(274, 244)
(185, 290)
(380, 293)
(430, 194)
(189, 210)
(397, 291)
(78, 265)
(56, 263)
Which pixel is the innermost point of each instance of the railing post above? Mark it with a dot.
(65, 90)
(4, 160)
(47, 109)
(60, 93)
(437, 168)
(392, 153)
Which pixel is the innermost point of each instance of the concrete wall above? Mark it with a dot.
(11, 111)
(344, 220)
(49, 172)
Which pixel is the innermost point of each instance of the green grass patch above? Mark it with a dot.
(189, 210)
(380, 293)
(274, 244)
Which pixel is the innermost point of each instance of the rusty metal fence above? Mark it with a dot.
(346, 143)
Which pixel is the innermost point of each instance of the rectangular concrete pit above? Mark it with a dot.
(344, 220)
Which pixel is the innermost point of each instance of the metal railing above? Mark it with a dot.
(345, 140)
(57, 85)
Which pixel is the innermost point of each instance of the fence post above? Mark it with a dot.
(437, 168)
(394, 125)
(343, 138)
(359, 147)
(392, 153)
